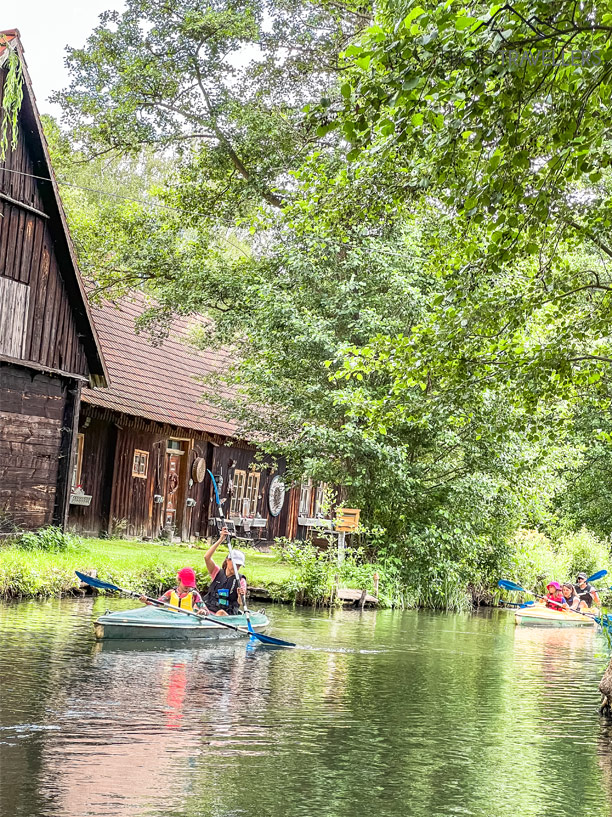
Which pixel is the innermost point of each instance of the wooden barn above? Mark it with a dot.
(146, 442)
(48, 345)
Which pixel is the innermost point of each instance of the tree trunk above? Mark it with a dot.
(605, 687)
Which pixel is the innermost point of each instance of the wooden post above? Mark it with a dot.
(341, 546)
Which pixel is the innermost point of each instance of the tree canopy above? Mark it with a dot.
(397, 219)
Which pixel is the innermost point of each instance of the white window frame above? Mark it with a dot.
(78, 461)
(238, 492)
(305, 498)
(251, 494)
(320, 498)
(140, 464)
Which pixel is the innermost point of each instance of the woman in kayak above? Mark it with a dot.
(570, 599)
(226, 592)
(184, 595)
(554, 596)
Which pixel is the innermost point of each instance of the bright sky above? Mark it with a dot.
(46, 28)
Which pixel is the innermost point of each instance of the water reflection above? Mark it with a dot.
(380, 712)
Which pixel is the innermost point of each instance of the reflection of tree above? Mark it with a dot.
(38, 643)
(457, 714)
(448, 713)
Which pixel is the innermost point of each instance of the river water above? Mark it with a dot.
(375, 714)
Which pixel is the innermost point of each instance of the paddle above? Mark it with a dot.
(264, 639)
(101, 585)
(508, 585)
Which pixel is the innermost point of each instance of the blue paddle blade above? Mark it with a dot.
(275, 642)
(90, 580)
(599, 575)
(526, 604)
(506, 585)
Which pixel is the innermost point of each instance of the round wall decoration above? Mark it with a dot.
(276, 495)
(198, 469)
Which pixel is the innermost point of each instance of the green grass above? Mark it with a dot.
(134, 565)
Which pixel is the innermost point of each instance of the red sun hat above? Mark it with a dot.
(556, 585)
(186, 575)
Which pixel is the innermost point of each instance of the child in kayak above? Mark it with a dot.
(554, 596)
(184, 595)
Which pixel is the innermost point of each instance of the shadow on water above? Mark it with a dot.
(383, 713)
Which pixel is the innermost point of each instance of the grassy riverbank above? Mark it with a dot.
(134, 565)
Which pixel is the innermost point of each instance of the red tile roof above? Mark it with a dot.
(155, 382)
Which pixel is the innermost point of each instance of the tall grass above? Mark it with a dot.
(152, 568)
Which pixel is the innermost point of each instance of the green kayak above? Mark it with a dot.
(153, 623)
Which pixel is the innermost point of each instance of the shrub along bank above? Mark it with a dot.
(43, 564)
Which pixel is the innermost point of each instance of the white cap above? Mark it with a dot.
(238, 558)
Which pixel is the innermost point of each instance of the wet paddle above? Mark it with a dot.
(264, 639)
(508, 585)
(101, 585)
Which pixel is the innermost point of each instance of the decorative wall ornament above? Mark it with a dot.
(276, 495)
(198, 469)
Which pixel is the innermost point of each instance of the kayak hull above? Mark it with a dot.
(148, 623)
(541, 616)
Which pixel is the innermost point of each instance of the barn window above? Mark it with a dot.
(320, 499)
(140, 465)
(78, 461)
(305, 495)
(239, 485)
(249, 505)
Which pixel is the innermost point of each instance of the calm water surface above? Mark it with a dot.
(381, 713)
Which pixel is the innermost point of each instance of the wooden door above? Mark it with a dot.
(173, 480)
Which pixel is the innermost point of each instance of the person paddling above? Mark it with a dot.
(184, 595)
(570, 598)
(226, 591)
(586, 592)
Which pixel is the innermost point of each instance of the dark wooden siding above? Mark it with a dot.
(28, 256)
(32, 409)
(99, 439)
(121, 502)
(244, 459)
(124, 504)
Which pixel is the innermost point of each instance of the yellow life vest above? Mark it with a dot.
(186, 603)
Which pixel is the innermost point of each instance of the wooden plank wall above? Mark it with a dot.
(244, 459)
(122, 502)
(14, 300)
(99, 439)
(27, 255)
(31, 414)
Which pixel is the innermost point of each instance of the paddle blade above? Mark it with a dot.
(267, 639)
(526, 604)
(599, 575)
(92, 582)
(507, 585)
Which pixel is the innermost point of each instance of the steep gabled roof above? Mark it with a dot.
(155, 382)
(71, 276)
